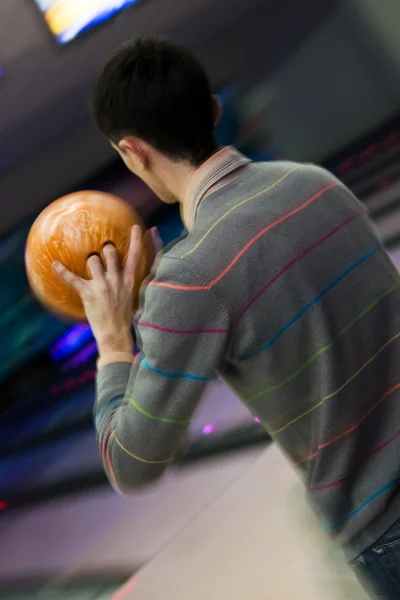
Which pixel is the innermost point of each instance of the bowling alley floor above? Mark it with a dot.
(259, 540)
(232, 528)
(254, 539)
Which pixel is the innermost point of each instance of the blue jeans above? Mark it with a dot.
(378, 568)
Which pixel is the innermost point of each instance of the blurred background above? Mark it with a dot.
(309, 81)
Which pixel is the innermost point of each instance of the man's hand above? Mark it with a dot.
(107, 297)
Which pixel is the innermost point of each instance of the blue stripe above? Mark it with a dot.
(103, 411)
(315, 300)
(382, 490)
(188, 376)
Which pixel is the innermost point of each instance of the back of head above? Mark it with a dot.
(159, 93)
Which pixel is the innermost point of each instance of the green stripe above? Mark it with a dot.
(155, 417)
(325, 349)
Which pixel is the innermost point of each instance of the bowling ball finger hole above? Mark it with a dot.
(89, 256)
(93, 254)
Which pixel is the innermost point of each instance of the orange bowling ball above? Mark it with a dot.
(70, 230)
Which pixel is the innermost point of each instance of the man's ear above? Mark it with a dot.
(217, 109)
(132, 147)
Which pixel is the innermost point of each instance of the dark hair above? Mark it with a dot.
(160, 93)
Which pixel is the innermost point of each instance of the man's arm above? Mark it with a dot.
(142, 410)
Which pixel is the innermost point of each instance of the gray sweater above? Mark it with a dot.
(282, 289)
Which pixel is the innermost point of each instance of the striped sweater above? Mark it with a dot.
(283, 290)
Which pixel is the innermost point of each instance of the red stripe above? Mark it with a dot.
(371, 453)
(107, 458)
(353, 427)
(295, 260)
(125, 590)
(260, 292)
(198, 288)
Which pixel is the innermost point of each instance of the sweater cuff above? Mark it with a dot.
(114, 357)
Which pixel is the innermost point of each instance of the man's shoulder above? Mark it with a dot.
(181, 269)
(174, 266)
(176, 249)
(182, 263)
(297, 168)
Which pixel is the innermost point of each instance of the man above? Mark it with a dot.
(280, 287)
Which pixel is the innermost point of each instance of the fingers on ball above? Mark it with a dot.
(111, 257)
(95, 266)
(69, 277)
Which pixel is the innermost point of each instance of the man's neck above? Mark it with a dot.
(216, 172)
(178, 177)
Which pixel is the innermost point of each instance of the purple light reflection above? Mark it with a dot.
(80, 358)
(71, 341)
(208, 429)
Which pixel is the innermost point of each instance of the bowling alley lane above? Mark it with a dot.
(286, 554)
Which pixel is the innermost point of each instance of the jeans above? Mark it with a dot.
(378, 568)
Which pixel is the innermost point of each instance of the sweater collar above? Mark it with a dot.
(224, 162)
